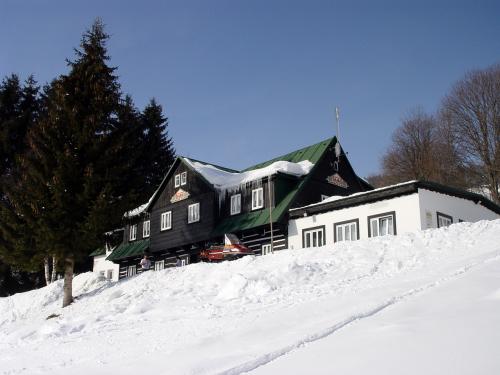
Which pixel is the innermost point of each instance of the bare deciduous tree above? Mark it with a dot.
(472, 113)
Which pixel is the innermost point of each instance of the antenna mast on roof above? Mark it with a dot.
(337, 145)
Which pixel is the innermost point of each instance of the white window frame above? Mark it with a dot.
(257, 198)
(266, 249)
(131, 271)
(313, 237)
(235, 204)
(133, 232)
(443, 220)
(177, 180)
(376, 226)
(183, 178)
(193, 213)
(159, 265)
(346, 231)
(109, 275)
(146, 228)
(166, 220)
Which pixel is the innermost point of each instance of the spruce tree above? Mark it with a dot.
(159, 151)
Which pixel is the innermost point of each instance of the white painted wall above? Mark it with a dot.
(432, 202)
(101, 264)
(406, 209)
(413, 212)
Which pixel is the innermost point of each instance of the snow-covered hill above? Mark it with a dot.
(416, 303)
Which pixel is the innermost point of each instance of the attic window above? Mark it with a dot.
(257, 198)
(133, 232)
(183, 178)
(177, 180)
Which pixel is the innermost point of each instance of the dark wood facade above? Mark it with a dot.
(330, 176)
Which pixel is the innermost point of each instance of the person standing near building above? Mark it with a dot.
(145, 263)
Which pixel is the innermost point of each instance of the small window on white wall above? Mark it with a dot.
(257, 198)
(443, 220)
(235, 204)
(346, 231)
(313, 237)
(133, 232)
(166, 220)
(193, 213)
(382, 224)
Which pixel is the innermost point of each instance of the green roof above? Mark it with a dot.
(129, 249)
(258, 218)
(312, 153)
(97, 252)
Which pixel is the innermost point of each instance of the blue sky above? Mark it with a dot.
(245, 81)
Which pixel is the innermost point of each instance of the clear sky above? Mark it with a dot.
(245, 81)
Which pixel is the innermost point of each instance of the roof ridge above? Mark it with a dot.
(288, 155)
(231, 170)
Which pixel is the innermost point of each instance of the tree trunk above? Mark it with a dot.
(54, 269)
(68, 281)
(47, 270)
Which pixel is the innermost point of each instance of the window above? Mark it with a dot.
(166, 220)
(193, 213)
(159, 265)
(382, 225)
(235, 204)
(183, 262)
(146, 228)
(101, 273)
(133, 232)
(110, 274)
(443, 220)
(313, 237)
(346, 231)
(131, 271)
(183, 178)
(257, 198)
(177, 180)
(266, 249)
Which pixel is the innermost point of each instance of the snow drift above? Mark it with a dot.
(232, 317)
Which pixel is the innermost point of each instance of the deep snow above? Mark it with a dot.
(384, 305)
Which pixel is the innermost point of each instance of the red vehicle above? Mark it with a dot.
(232, 249)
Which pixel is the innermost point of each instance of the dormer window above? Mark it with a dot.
(257, 198)
(133, 232)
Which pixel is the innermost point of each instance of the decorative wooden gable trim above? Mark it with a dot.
(336, 180)
(180, 195)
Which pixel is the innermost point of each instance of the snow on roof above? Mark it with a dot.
(340, 197)
(223, 180)
(139, 210)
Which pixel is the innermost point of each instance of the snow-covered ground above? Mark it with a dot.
(418, 303)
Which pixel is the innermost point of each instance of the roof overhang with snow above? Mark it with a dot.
(388, 192)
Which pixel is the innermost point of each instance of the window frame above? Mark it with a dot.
(378, 217)
(165, 227)
(177, 180)
(131, 271)
(190, 220)
(266, 246)
(146, 224)
(132, 234)
(183, 179)
(440, 215)
(254, 205)
(342, 224)
(159, 265)
(321, 228)
(109, 274)
(239, 204)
